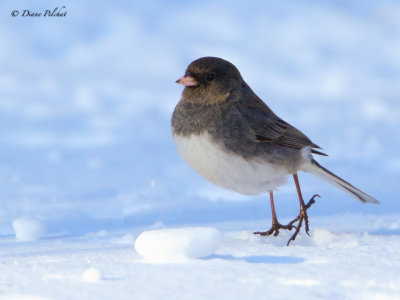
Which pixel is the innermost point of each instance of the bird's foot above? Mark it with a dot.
(275, 229)
(300, 218)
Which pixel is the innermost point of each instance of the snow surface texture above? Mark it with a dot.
(28, 229)
(91, 275)
(177, 245)
(346, 257)
(86, 148)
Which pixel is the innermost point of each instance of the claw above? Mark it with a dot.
(302, 216)
(274, 229)
(312, 201)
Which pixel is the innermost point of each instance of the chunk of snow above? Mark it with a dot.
(177, 245)
(322, 237)
(91, 275)
(28, 229)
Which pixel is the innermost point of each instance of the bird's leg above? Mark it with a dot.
(275, 224)
(303, 211)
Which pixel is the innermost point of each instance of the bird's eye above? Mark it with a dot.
(210, 77)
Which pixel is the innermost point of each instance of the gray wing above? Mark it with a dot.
(269, 128)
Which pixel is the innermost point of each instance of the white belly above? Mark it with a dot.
(226, 170)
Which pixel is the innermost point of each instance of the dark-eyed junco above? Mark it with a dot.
(225, 132)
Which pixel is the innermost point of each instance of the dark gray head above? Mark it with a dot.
(209, 80)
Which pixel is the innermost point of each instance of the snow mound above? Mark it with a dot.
(91, 275)
(177, 245)
(324, 238)
(28, 229)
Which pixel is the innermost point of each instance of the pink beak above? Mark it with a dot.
(187, 80)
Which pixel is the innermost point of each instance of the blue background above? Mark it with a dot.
(86, 100)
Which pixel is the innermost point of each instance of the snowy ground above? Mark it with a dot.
(347, 257)
(87, 162)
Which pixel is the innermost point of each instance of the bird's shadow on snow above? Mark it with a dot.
(259, 259)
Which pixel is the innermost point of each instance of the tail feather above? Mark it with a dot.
(318, 170)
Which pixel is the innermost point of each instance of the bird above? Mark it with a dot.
(227, 134)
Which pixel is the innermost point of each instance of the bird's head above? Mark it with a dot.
(209, 80)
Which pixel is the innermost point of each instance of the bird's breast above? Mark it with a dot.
(226, 168)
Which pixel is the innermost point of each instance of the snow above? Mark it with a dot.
(28, 229)
(177, 245)
(323, 237)
(91, 275)
(22, 297)
(358, 260)
(127, 239)
(87, 157)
